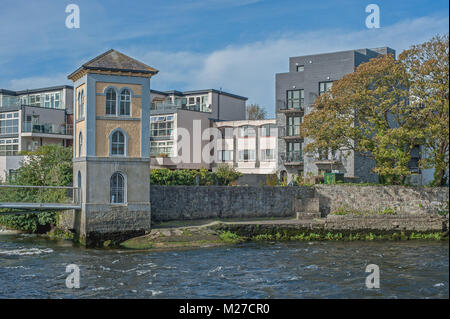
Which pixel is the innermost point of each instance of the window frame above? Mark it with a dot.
(116, 190)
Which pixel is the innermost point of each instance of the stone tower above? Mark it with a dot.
(111, 160)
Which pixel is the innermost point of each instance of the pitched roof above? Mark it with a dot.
(113, 60)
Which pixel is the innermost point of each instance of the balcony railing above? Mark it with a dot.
(168, 107)
(282, 106)
(49, 128)
(293, 156)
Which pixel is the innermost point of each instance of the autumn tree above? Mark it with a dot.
(256, 112)
(367, 112)
(427, 67)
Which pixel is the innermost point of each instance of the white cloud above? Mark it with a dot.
(250, 69)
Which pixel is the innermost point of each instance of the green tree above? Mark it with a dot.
(255, 112)
(367, 112)
(427, 67)
(226, 174)
(50, 165)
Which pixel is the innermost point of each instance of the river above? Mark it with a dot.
(34, 267)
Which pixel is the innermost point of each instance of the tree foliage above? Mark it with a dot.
(386, 108)
(256, 112)
(224, 175)
(367, 112)
(427, 67)
(50, 165)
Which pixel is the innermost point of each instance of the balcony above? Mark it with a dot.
(293, 158)
(171, 107)
(291, 132)
(327, 159)
(47, 129)
(282, 107)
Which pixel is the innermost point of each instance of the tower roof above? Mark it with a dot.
(115, 61)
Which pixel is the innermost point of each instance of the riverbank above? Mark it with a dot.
(173, 235)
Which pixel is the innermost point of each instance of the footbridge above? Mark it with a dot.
(21, 199)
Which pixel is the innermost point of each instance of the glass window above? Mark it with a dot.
(9, 123)
(118, 143)
(162, 125)
(9, 147)
(117, 188)
(247, 131)
(246, 155)
(269, 130)
(325, 87)
(110, 102)
(267, 155)
(295, 99)
(80, 144)
(300, 68)
(125, 102)
(293, 125)
(161, 149)
(81, 104)
(225, 156)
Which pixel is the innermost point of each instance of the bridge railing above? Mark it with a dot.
(40, 194)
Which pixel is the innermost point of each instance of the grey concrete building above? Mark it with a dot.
(32, 118)
(295, 91)
(179, 121)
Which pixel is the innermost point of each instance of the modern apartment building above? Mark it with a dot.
(32, 118)
(248, 146)
(179, 123)
(295, 91)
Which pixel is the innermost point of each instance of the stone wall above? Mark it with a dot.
(410, 200)
(203, 202)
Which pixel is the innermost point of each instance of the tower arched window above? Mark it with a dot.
(125, 102)
(111, 102)
(117, 188)
(118, 143)
(80, 143)
(81, 104)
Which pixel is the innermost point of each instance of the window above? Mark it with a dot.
(225, 156)
(117, 188)
(80, 144)
(35, 100)
(111, 102)
(294, 152)
(118, 143)
(268, 155)
(161, 149)
(125, 102)
(9, 147)
(162, 125)
(9, 123)
(325, 87)
(52, 100)
(295, 99)
(293, 125)
(300, 68)
(247, 131)
(246, 155)
(268, 130)
(81, 104)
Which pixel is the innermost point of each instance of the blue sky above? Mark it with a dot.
(238, 45)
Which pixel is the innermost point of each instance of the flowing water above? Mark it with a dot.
(33, 267)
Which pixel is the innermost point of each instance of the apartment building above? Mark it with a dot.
(248, 146)
(32, 118)
(179, 122)
(295, 92)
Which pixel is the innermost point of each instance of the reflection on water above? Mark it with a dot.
(32, 267)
